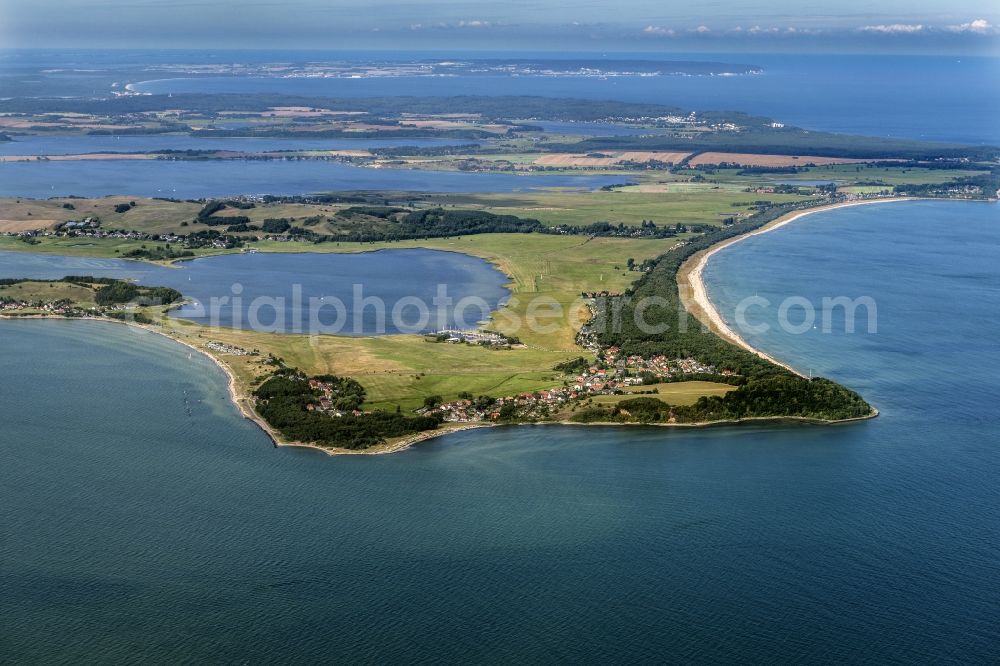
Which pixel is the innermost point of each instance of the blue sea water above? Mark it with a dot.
(350, 294)
(939, 98)
(144, 520)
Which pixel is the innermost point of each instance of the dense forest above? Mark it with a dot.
(288, 403)
(765, 389)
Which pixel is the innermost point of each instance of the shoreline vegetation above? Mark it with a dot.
(694, 298)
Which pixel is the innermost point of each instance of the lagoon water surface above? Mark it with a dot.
(186, 179)
(348, 294)
(144, 520)
(81, 144)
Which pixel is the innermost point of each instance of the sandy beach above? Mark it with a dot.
(691, 284)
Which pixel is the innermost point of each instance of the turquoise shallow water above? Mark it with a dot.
(144, 520)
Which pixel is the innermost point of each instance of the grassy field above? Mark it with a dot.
(674, 393)
(87, 247)
(846, 174)
(402, 370)
(665, 199)
(671, 202)
(49, 291)
(150, 215)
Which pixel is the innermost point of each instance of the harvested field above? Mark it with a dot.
(573, 160)
(31, 224)
(651, 155)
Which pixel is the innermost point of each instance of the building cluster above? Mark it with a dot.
(326, 399)
(232, 350)
(612, 376)
(659, 366)
(490, 338)
(95, 232)
(62, 307)
(600, 294)
(88, 223)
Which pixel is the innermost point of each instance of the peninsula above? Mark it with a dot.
(637, 340)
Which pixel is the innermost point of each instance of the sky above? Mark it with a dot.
(878, 26)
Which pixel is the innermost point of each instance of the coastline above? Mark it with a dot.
(694, 295)
(239, 400)
(246, 410)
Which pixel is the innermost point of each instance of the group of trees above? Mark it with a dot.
(374, 223)
(647, 229)
(388, 223)
(158, 253)
(205, 215)
(284, 401)
(779, 396)
(633, 410)
(119, 291)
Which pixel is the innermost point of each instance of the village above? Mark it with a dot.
(61, 307)
(611, 375)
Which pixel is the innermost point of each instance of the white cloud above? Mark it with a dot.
(702, 29)
(658, 31)
(894, 28)
(475, 23)
(979, 26)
